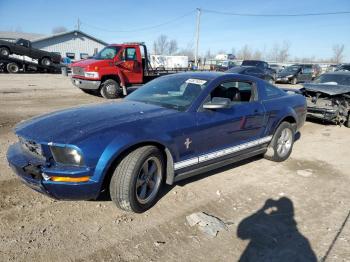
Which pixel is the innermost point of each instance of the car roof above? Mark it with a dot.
(347, 73)
(207, 75)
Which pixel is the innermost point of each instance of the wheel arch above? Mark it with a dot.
(290, 118)
(119, 155)
(113, 77)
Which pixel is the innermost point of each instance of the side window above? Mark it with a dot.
(130, 54)
(272, 91)
(70, 55)
(236, 91)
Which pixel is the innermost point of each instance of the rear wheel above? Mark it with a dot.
(137, 179)
(110, 89)
(281, 144)
(46, 61)
(12, 68)
(4, 51)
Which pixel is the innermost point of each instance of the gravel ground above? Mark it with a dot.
(272, 210)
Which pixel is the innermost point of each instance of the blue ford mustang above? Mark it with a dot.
(174, 127)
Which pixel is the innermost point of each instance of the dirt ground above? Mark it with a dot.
(307, 215)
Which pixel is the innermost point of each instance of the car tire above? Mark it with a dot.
(281, 144)
(110, 89)
(12, 68)
(347, 122)
(4, 51)
(293, 81)
(46, 61)
(136, 181)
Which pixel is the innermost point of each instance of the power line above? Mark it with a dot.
(274, 15)
(142, 28)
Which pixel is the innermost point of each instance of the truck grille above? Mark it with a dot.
(76, 70)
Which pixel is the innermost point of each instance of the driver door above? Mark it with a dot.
(227, 127)
(131, 66)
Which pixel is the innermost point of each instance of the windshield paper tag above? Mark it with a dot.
(195, 81)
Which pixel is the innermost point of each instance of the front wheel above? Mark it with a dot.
(293, 81)
(136, 181)
(110, 89)
(281, 144)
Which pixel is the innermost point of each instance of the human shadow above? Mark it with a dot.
(274, 235)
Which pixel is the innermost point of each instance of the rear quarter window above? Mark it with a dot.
(272, 91)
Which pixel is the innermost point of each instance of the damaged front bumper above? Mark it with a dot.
(34, 173)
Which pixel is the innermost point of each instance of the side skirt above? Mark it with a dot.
(219, 164)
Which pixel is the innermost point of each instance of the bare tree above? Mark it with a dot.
(257, 55)
(338, 53)
(59, 29)
(187, 51)
(161, 45)
(173, 47)
(244, 53)
(208, 54)
(284, 52)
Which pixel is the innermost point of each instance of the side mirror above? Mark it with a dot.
(217, 103)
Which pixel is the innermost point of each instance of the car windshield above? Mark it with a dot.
(291, 69)
(108, 52)
(176, 91)
(333, 79)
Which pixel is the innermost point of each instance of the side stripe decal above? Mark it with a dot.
(220, 153)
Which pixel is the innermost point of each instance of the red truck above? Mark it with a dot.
(115, 68)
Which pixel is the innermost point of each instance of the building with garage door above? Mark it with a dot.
(74, 44)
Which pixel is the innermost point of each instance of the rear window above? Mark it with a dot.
(272, 91)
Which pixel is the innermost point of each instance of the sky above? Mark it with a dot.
(124, 21)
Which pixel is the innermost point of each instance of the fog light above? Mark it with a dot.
(70, 179)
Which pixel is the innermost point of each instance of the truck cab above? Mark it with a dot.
(112, 70)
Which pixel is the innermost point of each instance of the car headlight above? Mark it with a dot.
(289, 76)
(67, 155)
(91, 74)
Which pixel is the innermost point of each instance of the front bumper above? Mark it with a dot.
(86, 84)
(282, 80)
(322, 113)
(30, 170)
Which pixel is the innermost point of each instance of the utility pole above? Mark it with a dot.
(197, 36)
(78, 24)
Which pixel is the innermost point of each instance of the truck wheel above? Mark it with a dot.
(110, 89)
(293, 81)
(137, 179)
(281, 144)
(46, 61)
(4, 51)
(12, 68)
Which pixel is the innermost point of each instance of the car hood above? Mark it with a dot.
(92, 62)
(327, 89)
(71, 125)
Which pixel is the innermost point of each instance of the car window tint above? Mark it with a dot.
(272, 91)
(236, 91)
